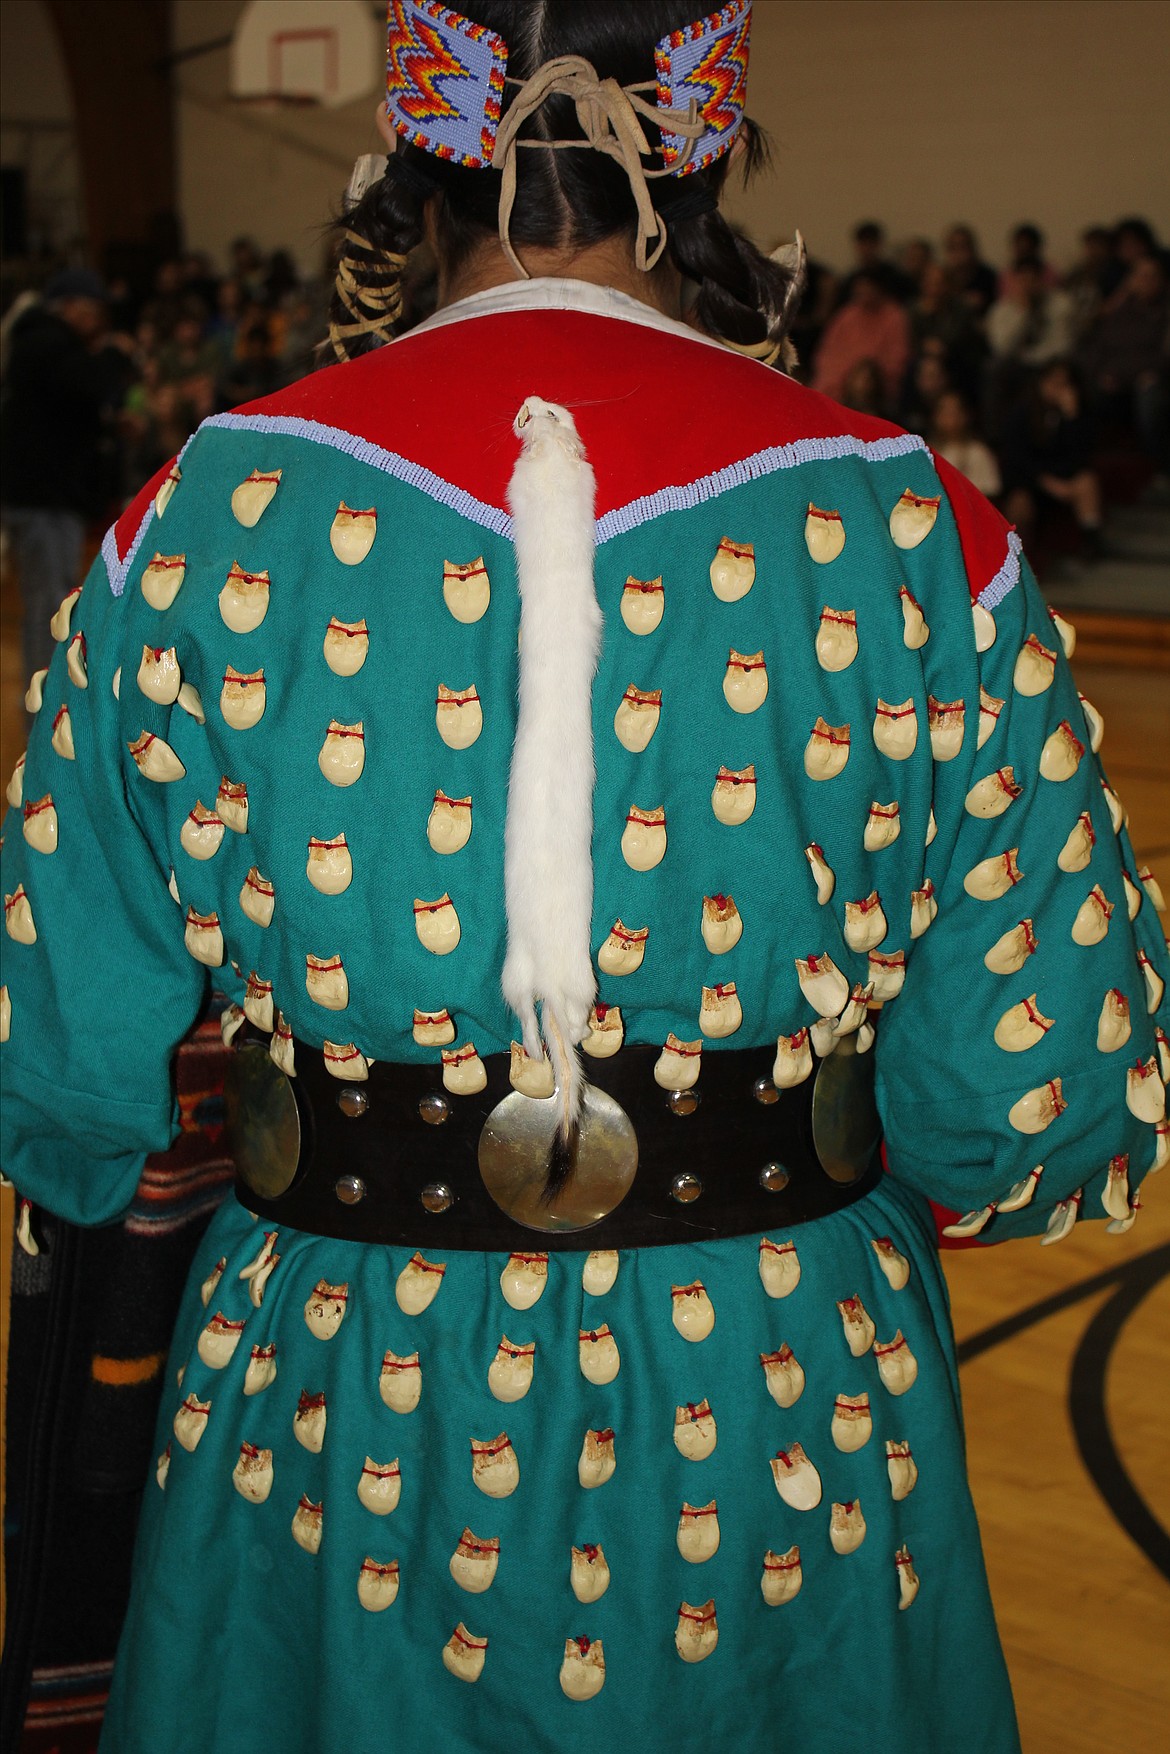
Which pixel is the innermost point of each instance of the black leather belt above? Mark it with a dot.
(398, 1160)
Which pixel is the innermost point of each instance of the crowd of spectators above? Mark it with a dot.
(1019, 376)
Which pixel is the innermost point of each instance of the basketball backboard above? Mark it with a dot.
(305, 52)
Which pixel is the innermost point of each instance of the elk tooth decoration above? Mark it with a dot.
(901, 1468)
(1120, 1226)
(162, 578)
(695, 1433)
(915, 631)
(308, 1518)
(793, 1060)
(855, 1012)
(437, 925)
(231, 805)
(992, 795)
(1133, 896)
(346, 647)
(330, 865)
(931, 828)
(190, 1421)
(678, 1065)
(40, 825)
(846, 1526)
(882, 826)
(588, 1573)
(897, 1365)
(745, 681)
(1065, 630)
(720, 1012)
(281, 1051)
(433, 1029)
(464, 1654)
(326, 982)
(823, 875)
(733, 570)
(464, 1073)
(258, 1271)
(34, 694)
(159, 677)
(257, 896)
(865, 923)
(782, 1577)
(261, 1371)
(523, 1279)
(204, 938)
(377, 1585)
(466, 590)
(1022, 1026)
(985, 628)
(309, 1421)
(1152, 888)
(458, 716)
(252, 497)
(351, 534)
(243, 601)
(946, 719)
(166, 490)
(253, 1474)
(826, 751)
(643, 601)
(1115, 1194)
(154, 759)
(1035, 667)
(1145, 1094)
(474, 1562)
(912, 519)
(733, 797)
(258, 1003)
(202, 833)
(691, 1310)
(623, 950)
(343, 753)
(1064, 1216)
(1022, 1192)
(993, 877)
(418, 1284)
(606, 1032)
(971, 1223)
(210, 1284)
(218, 1341)
(380, 1486)
(529, 1076)
(1115, 807)
(697, 1538)
(63, 614)
(1009, 953)
(188, 697)
(644, 838)
(797, 1480)
(783, 1376)
(824, 534)
(64, 737)
(400, 1381)
(325, 1309)
(1163, 1046)
(887, 975)
(1093, 916)
(895, 729)
(510, 1371)
(1094, 724)
(1061, 754)
(858, 1326)
(722, 925)
(907, 1576)
(15, 789)
(990, 707)
(1038, 1108)
(597, 1460)
(1154, 984)
(697, 1631)
(779, 1267)
(582, 1673)
(1113, 1025)
(836, 641)
(823, 984)
(637, 716)
(923, 908)
(243, 698)
(5, 1014)
(892, 1262)
(822, 1036)
(597, 1355)
(599, 1272)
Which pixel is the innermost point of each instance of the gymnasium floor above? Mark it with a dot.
(1064, 1349)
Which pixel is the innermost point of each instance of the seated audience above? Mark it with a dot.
(871, 326)
(864, 390)
(974, 280)
(1047, 452)
(952, 435)
(869, 249)
(1126, 356)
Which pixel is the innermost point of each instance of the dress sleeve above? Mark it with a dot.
(1021, 1068)
(98, 985)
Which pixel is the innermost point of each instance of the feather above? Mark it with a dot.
(548, 839)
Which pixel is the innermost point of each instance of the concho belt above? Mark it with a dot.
(398, 1160)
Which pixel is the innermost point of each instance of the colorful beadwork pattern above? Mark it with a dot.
(706, 61)
(444, 81)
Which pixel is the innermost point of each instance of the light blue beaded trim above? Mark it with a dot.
(1008, 576)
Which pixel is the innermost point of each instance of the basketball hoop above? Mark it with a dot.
(303, 54)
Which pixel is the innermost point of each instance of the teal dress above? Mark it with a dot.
(754, 1500)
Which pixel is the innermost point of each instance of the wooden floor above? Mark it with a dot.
(1067, 1407)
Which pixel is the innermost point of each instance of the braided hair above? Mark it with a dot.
(565, 200)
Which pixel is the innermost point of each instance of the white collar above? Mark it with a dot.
(550, 293)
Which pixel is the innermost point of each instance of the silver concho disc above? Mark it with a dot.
(262, 1121)
(514, 1153)
(845, 1123)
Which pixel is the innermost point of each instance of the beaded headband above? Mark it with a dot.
(445, 78)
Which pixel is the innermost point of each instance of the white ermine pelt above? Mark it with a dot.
(548, 851)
